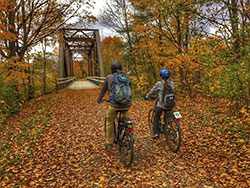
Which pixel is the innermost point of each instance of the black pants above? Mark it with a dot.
(157, 118)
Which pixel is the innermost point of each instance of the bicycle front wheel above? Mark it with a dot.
(127, 149)
(173, 136)
(151, 114)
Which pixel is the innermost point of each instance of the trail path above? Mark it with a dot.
(83, 84)
(69, 152)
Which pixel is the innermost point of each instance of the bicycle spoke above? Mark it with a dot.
(173, 136)
(127, 150)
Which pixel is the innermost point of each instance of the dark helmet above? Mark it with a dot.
(115, 66)
(164, 73)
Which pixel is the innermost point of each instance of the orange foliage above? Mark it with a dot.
(4, 33)
(112, 49)
(80, 69)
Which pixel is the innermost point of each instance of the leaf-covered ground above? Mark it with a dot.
(57, 141)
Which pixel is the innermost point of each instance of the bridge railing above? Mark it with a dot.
(64, 83)
(96, 80)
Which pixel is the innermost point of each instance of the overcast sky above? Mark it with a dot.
(98, 7)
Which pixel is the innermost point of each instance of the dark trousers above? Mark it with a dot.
(157, 118)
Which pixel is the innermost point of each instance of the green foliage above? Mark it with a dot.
(10, 100)
(231, 82)
(44, 73)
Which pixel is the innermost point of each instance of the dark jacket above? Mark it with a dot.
(107, 86)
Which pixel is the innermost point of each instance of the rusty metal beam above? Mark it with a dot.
(80, 46)
(70, 39)
(81, 41)
(78, 29)
(99, 52)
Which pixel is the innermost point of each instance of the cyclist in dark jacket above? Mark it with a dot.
(113, 107)
(159, 108)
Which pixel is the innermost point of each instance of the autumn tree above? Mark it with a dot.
(230, 19)
(23, 25)
(201, 42)
(29, 22)
(44, 74)
(112, 49)
(116, 15)
(80, 68)
(162, 30)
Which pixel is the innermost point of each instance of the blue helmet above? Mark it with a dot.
(164, 73)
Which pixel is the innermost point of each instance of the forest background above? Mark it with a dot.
(205, 44)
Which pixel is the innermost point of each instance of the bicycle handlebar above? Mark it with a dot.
(154, 98)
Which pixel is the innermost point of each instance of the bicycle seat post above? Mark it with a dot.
(119, 115)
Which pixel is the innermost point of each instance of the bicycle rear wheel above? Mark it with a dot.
(173, 136)
(126, 148)
(151, 114)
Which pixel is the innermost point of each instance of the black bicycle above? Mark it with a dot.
(169, 127)
(123, 131)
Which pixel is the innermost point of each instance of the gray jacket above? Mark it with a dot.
(107, 86)
(158, 88)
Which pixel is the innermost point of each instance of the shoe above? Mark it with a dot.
(156, 136)
(108, 146)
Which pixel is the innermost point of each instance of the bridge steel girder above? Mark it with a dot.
(85, 41)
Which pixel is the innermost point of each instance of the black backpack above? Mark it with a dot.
(168, 99)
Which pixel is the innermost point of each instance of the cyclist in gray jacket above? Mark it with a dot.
(159, 108)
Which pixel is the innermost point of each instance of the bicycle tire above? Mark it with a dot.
(126, 148)
(150, 121)
(173, 136)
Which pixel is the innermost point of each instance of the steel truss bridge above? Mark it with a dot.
(74, 43)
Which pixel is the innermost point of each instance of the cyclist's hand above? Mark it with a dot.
(146, 98)
(153, 98)
(99, 100)
(106, 100)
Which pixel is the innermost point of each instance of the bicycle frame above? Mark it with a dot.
(127, 125)
(169, 126)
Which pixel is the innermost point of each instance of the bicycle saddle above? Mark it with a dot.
(121, 111)
(126, 120)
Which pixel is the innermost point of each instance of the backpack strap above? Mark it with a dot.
(163, 92)
(164, 95)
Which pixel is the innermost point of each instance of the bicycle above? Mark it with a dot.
(123, 134)
(170, 127)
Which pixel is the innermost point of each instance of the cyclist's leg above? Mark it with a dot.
(157, 116)
(111, 115)
(124, 113)
(166, 114)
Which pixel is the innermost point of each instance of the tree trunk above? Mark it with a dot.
(31, 88)
(11, 28)
(44, 65)
(127, 30)
(233, 13)
(179, 33)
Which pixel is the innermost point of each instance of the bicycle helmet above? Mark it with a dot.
(115, 66)
(164, 73)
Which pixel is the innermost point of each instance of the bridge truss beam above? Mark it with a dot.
(80, 41)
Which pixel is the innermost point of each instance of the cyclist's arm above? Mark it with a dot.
(172, 84)
(103, 90)
(153, 90)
